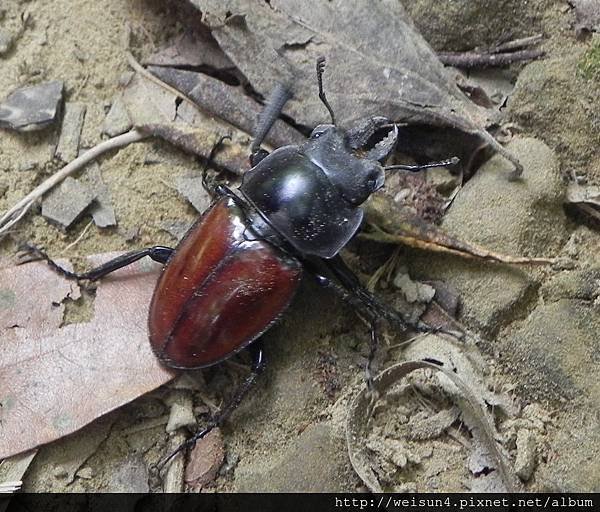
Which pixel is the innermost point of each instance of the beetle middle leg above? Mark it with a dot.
(258, 366)
(157, 253)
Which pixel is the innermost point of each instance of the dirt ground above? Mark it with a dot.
(538, 328)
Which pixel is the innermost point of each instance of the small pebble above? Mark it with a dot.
(525, 460)
(6, 41)
(85, 473)
(70, 135)
(117, 120)
(59, 471)
(32, 108)
(413, 290)
(67, 202)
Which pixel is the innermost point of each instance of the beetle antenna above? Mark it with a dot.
(452, 161)
(320, 70)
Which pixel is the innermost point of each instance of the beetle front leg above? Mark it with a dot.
(158, 253)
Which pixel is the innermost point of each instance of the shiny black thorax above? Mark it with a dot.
(311, 193)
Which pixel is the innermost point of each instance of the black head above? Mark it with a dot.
(311, 193)
(352, 159)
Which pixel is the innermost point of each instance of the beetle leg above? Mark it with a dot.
(211, 189)
(351, 283)
(258, 366)
(157, 253)
(382, 310)
(374, 343)
(362, 309)
(273, 107)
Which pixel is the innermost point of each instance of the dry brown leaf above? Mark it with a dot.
(378, 62)
(394, 227)
(55, 379)
(205, 460)
(156, 111)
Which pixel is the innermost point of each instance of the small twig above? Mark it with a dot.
(469, 60)
(146, 74)
(13, 486)
(81, 235)
(516, 44)
(14, 214)
(16, 219)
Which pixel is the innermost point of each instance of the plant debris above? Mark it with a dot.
(102, 210)
(586, 198)
(205, 460)
(12, 471)
(587, 17)
(157, 111)
(190, 186)
(379, 475)
(501, 55)
(70, 133)
(117, 120)
(279, 41)
(409, 229)
(32, 108)
(526, 454)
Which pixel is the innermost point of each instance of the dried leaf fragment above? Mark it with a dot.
(61, 378)
(392, 70)
(205, 460)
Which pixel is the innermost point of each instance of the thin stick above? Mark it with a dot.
(516, 44)
(81, 235)
(16, 219)
(146, 74)
(474, 59)
(16, 212)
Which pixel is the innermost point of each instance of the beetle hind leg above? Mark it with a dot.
(258, 366)
(158, 253)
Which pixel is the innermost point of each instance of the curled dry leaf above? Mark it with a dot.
(587, 199)
(379, 63)
(60, 378)
(362, 407)
(394, 227)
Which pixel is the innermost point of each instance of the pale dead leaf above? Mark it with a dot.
(155, 111)
(53, 379)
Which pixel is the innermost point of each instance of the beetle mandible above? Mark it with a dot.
(238, 267)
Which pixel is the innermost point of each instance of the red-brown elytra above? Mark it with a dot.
(237, 268)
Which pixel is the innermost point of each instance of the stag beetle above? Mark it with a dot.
(238, 267)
